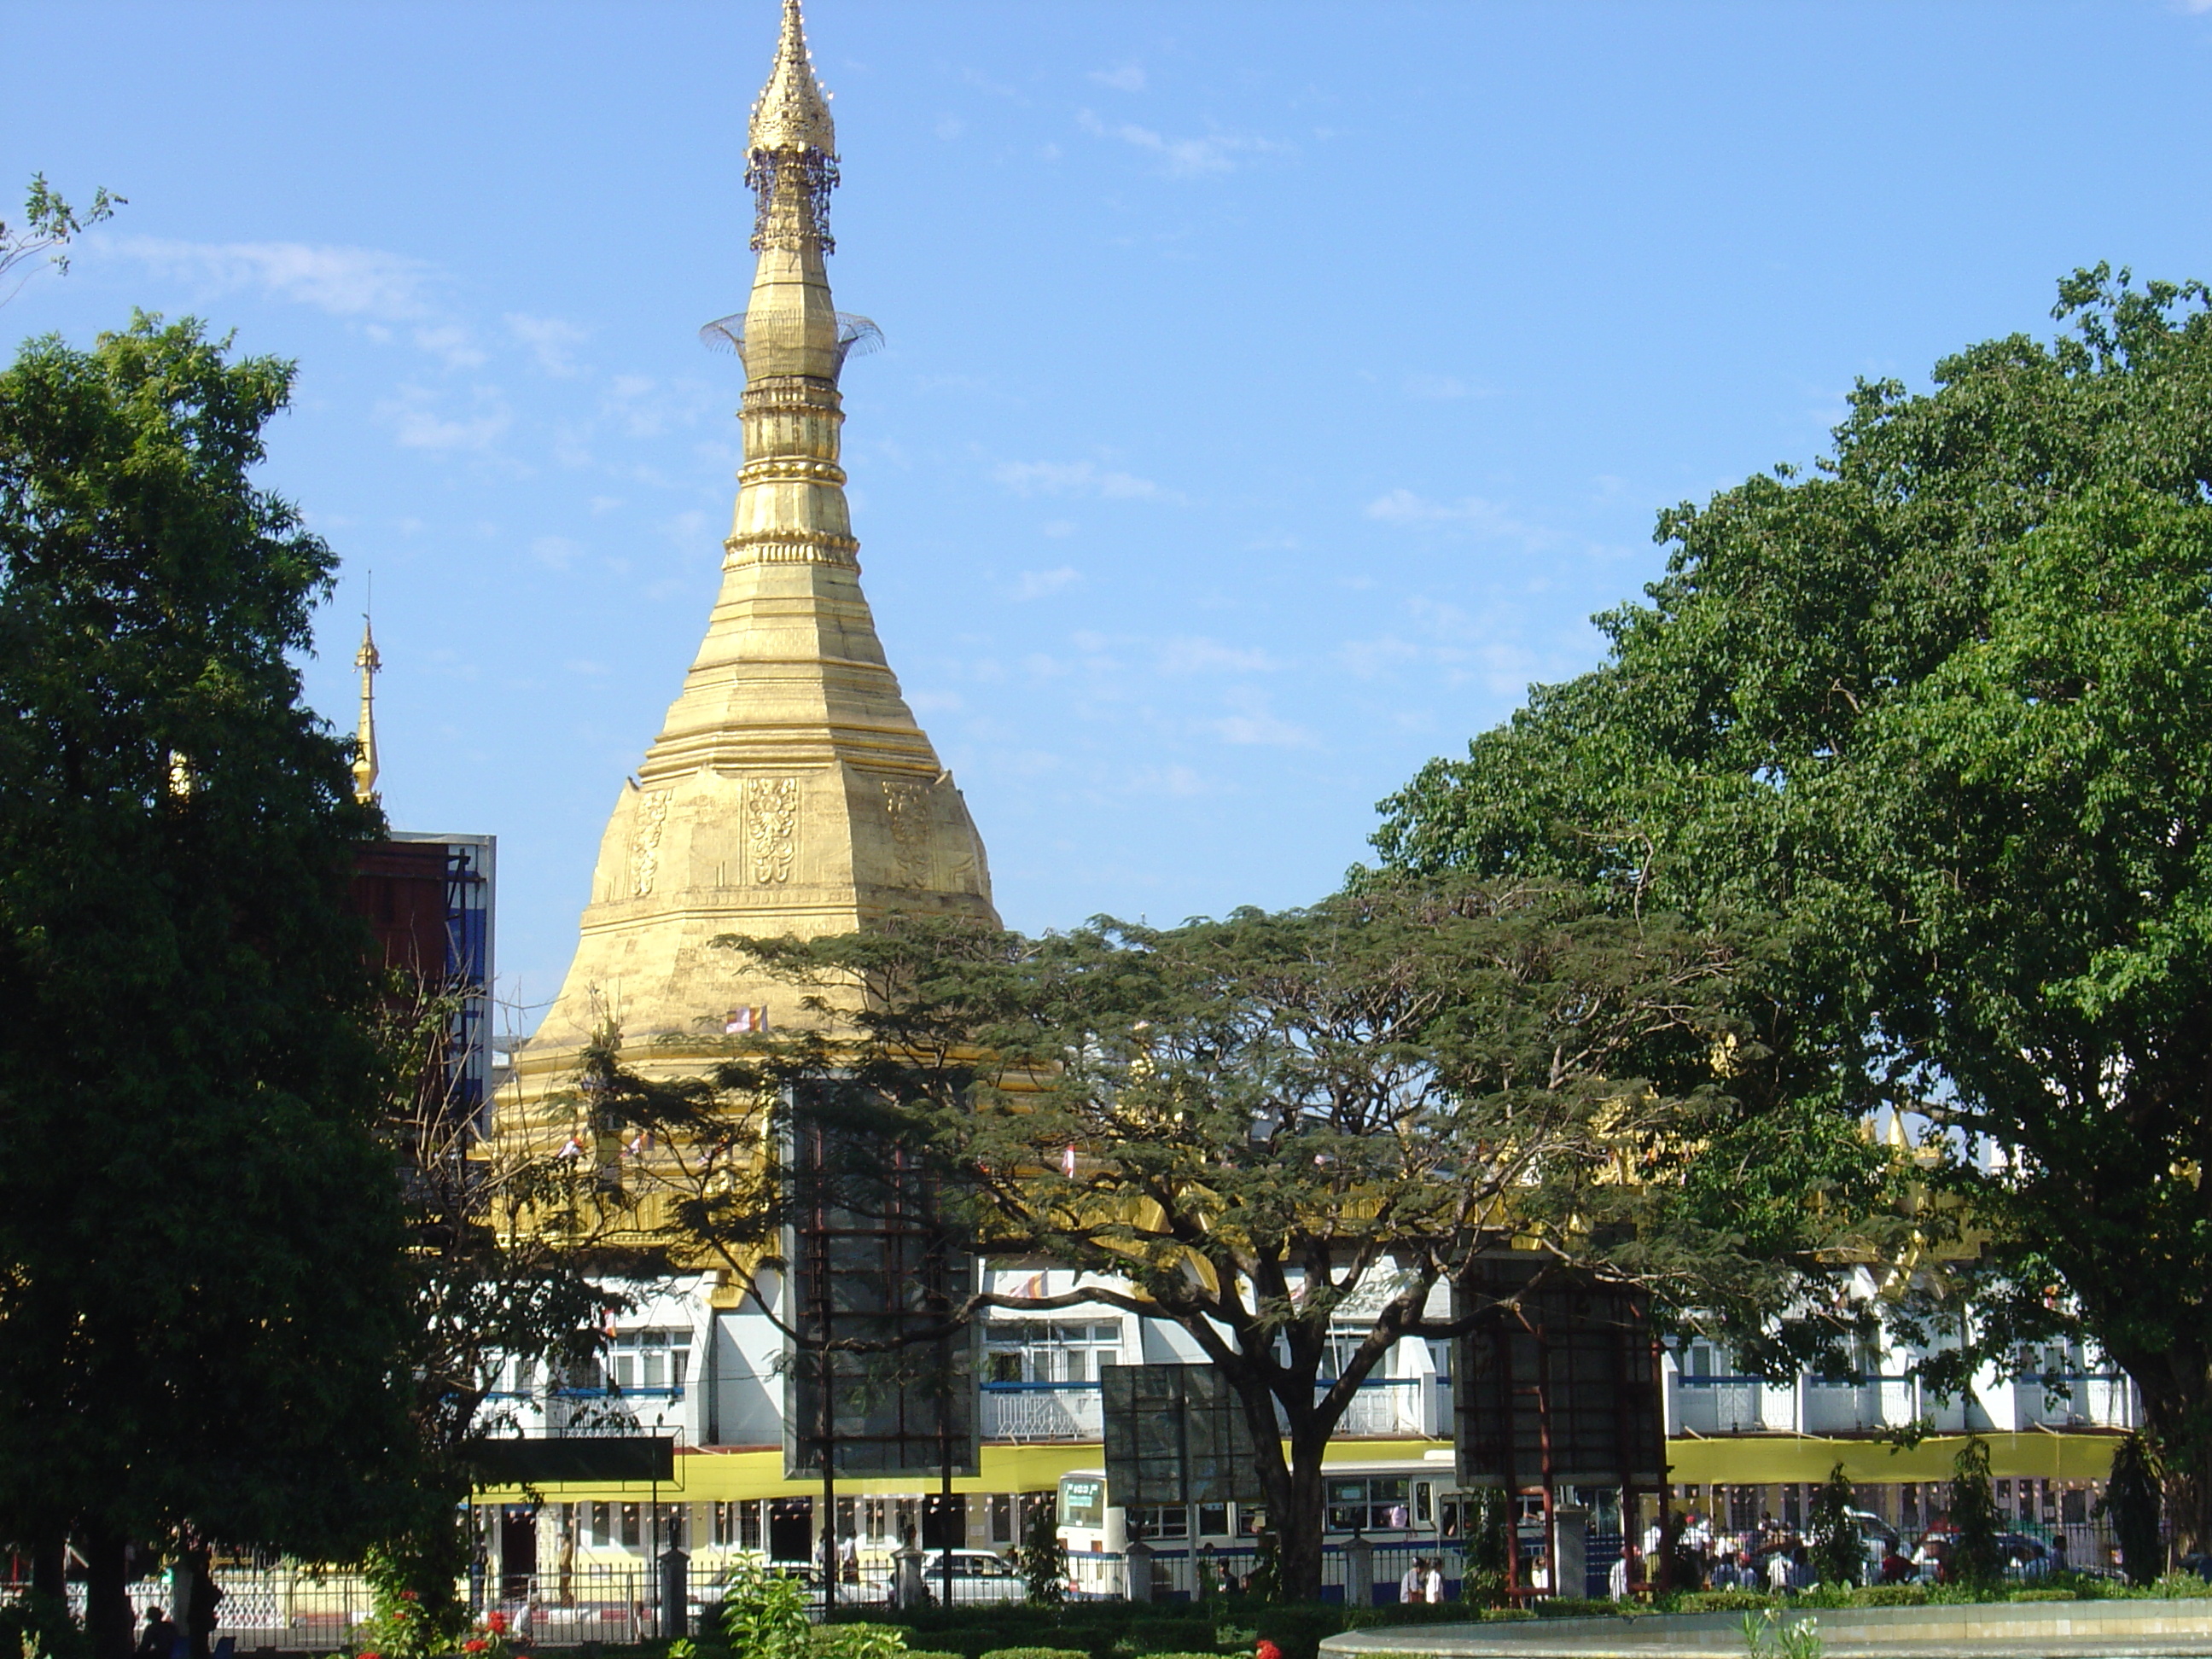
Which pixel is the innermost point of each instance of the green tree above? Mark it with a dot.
(1839, 1555)
(1976, 1557)
(2131, 1503)
(48, 226)
(205, 1314)
(1285, 1132)
(1942, 706)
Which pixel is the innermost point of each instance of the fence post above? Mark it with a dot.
(1137, 1562)
(1358, 1571)
(675, 1591)
(1570, 1551)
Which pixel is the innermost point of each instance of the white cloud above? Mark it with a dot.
(1203, 656)
(1185, 158)
(549, 339)
(1076, 478)
(1403, 507)
(418, 424)
(453, 343)
(556, 552)
(950, 127)
(1126, 77)
(345, 281)
(1253, 723)
(1440, 388)
(1037, 584)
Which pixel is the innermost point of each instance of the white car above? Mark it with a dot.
(978, 1576)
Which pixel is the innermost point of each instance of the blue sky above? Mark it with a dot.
(1271, 393)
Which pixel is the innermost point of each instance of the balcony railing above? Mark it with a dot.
(1042, 1411)
(1396, 1406)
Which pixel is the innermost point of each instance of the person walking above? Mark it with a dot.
(1414, 1586)
(1433, 1582)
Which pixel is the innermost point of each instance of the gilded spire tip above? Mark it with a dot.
(792, 111)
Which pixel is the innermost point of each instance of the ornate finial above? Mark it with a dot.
(364, 759)
(790, 148)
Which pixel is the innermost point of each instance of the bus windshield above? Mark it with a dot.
(1082, 1501)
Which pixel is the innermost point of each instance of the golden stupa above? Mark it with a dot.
(790, 790)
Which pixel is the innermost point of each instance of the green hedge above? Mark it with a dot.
(1037, 1653)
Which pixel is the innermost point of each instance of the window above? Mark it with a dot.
(654, 1361)
(1041, 1351)
(1002, 1519)
(632, 1532)
(1213, 1520)
(749, 1524)
(1379, 1504)
(1171, 1522)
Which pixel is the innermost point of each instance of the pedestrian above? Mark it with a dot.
(1433, 1585)
(200, 1605)
(1620, 1581)
(1414, 1586)
(160, 1636)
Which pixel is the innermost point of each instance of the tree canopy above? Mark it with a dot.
(1941, 706)
(1284, 1132)
(205, 1314)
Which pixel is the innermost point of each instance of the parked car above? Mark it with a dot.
(978, 1577)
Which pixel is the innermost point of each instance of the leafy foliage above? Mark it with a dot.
(1976, 1557)
(1041, 1559)
(205, 1316)
(48, 226)
(1249, 1122)
(1941, 706)
(2131, 1502)
(765, 1613)
(1839, 1557)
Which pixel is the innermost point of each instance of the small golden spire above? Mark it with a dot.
(364, 759)
(792, 111)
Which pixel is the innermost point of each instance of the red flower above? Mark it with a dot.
(1267, 1650)
(495, 1622)
(476, 1646)
(369, 1656)
(409, 1596)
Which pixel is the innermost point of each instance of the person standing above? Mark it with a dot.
(1414, 1586)
(1620, 1582)
(1433, 1582)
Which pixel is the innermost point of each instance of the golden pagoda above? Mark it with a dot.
(790, 790)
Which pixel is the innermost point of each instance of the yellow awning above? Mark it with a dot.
(720, 1477)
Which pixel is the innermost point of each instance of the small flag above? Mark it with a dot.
(641, 1145)
(1067, 1163)
(740, 1020)
(571, 1148)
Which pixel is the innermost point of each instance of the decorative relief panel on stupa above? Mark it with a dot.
(645, 841)
(772, 827)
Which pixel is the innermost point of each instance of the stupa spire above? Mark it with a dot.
(790, 790)
(364, 747)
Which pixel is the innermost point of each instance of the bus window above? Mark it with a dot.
(1171, 1522)
(1082, 1503)
(1421, 1510)
(1213, 1520)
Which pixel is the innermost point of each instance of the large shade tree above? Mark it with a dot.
(1943, 705)
(1284, 1133)
(203, 1303)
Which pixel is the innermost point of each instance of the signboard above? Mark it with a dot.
(878, 1268)
(631, 1459)
(1563, 1388)
(1175, 1435)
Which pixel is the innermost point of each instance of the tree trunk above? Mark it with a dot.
(1302, 1525)
(50, 1567)
(107, 1605)
(2176, 1397)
